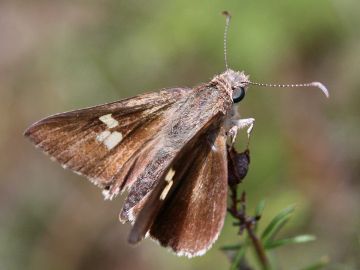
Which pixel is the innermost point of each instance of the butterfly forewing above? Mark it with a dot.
(98, 141)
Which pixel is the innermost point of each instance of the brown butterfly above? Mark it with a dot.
(168, 149)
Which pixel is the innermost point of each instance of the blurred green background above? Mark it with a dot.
(61, 55)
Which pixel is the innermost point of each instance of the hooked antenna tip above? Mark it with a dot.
(226, 13)
(321, 87)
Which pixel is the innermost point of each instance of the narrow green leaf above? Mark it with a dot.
(318, 265)
(258, 212)
(260, 208)
(276, 229)
(293, 240)
(277, 223)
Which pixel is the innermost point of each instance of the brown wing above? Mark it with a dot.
(204, 107)
(103, 142)
(186, 212)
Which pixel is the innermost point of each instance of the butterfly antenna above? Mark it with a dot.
(312, 84)
(227, 23)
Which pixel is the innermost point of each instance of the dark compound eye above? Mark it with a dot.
(238, 94)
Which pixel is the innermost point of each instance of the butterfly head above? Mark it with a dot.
(236, 83)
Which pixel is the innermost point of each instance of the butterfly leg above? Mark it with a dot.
(241, 124)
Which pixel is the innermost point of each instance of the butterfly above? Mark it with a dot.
(168, 149)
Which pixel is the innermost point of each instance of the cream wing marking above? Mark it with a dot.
(103, 135)
(168, 178)
(108, 120)
(108, 138)
(113, 140)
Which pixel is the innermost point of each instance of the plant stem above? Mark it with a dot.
(238, 211)
(260, 252)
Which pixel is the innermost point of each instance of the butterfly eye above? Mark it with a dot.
(238, 94)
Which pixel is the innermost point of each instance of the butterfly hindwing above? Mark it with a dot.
(186, 212)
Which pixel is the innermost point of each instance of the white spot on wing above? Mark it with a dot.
(168, 178)
(113, 140)
(108, 120)
(103, 135)
(166, 190)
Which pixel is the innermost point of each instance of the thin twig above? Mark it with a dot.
(238, 210)
(258, 247)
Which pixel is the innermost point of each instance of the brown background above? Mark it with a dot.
(59, 55)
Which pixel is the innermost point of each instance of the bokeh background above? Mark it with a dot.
(61, 55)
